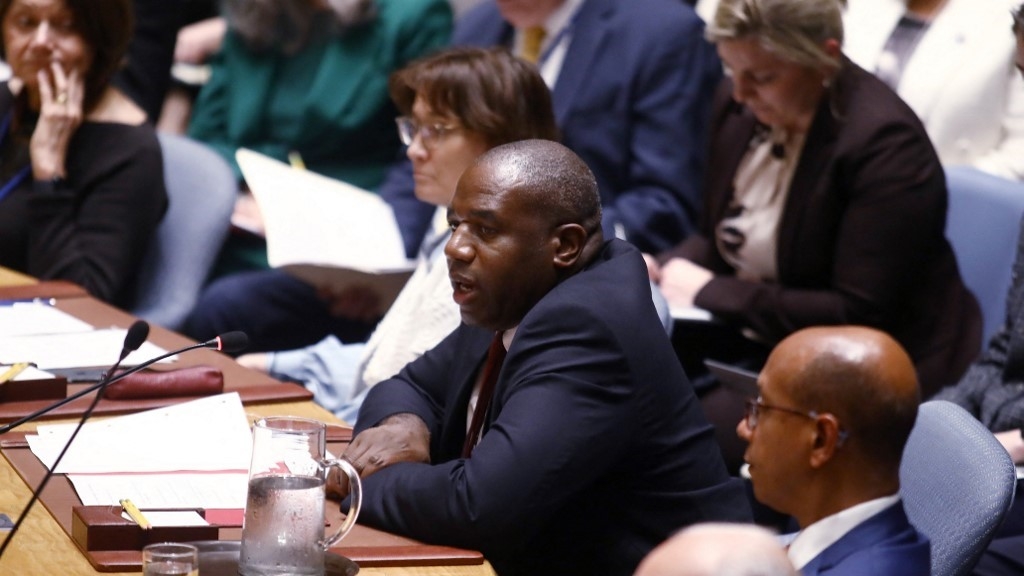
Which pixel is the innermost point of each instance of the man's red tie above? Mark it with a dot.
(488, 377)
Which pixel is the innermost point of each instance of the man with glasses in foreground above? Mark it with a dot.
(826, 434)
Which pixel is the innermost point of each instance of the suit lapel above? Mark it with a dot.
(816, 154)
(486, 30)
(590, 31)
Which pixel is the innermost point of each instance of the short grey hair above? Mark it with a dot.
(793, 30)
(286, 25)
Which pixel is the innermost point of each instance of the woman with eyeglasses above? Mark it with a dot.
(456, 105)
(824, 204)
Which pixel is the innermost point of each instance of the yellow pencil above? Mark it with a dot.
(135, 514)
(12, 372)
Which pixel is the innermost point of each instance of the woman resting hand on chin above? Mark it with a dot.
(81, 174)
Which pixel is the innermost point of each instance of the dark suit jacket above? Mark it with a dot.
(632, 100)
(862, 233)
(884, 545)
(993, 387)
(595, 448)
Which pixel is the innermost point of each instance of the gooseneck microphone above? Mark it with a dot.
(229, 342)
(137, 334)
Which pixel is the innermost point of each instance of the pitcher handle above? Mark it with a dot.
(355, 491)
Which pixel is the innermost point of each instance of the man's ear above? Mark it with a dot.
(828, 437)
(568, 241)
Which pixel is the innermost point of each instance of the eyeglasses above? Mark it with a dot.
(755, 406)
(429, 135)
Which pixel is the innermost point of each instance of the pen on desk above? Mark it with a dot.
(12, 372)
(295, 159)
(135, 514)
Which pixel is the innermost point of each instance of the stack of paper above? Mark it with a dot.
(327, 232)
(20, 318)
(51, 339)
(190, 455)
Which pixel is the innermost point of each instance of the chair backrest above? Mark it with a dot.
(982, 224)
(201, 189)
(957, 483)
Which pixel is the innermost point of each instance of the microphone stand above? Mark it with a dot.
(105, 381)
(136, 336)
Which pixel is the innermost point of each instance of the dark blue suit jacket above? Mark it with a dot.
(884, 545)
(595, 449)
(633, 100)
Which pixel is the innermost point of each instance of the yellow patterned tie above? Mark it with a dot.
(533, 38)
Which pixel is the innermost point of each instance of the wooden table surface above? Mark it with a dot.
(42, 548)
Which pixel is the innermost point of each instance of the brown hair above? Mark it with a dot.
(489, 91)
(106, 27)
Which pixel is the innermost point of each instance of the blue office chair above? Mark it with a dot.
(201, 189)
(982, 225)
(957, 483)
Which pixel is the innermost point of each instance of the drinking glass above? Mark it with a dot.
(170, 559)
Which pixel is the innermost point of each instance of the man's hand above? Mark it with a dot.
(398, 438)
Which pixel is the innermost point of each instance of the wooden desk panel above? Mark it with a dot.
(43, 548)
(253, 386)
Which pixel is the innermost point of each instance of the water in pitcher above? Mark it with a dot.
(278, 536)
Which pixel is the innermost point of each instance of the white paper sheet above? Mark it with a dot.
(208, 434)
(185, 490)
(31, 373)
(74, 350)
(176, 518)
(314, 222)
(690, 313)
(34, 317)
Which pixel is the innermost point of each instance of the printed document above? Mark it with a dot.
(327, 232)
(189, 455)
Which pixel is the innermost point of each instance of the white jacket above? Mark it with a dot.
(960, 79)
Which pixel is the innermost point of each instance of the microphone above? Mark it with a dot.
(228, 342)
(137, 334)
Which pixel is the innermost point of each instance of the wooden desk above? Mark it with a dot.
(9, 277)
(42, 548)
